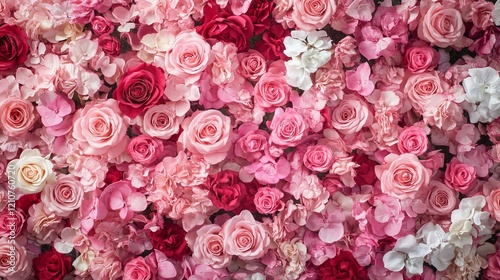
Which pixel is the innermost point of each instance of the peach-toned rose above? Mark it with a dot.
(421, 87)
(100, 130)
(413, 140)
(64, 196)
(252, 65)
(16, 116)
(208, 248)
(208, 133)
(351, 115)
(271, 91)
(493, 203)
(13, 260)
(244, 237)
(441, 200)
(318, 158)
(442, 26)
(189, 57)
(402, 176)
(309, 15)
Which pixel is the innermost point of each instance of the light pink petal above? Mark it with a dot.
(116, 200)
(315, 222)
(332, 233)
(137, 202)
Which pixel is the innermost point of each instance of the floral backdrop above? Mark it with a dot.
(249, 139)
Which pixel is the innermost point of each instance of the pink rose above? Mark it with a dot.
(207, 133)
(144, 149)
(189, 57)
(13, 260)
(442, 26)
(101, 25)
(244, 237)
(318, 158)
(11, 222)
(351, 115)
(139, 269)
(421, 87)
(309, 15)
(209, 249)
(100, 130)
(252, 65)
(288, 128)
(64, 196)
(268, 200)
(493, 269)
(481, 14)
(460, 176)
(441, 200)
(419, 57)
(271, 92)
(16, 116)
(402, 176)
(413, 140)
(161, 121)
(493, 203)
(253, 144)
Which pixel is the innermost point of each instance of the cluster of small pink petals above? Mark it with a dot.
(154, 139)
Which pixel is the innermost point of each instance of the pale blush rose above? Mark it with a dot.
(421, 87)
(493, 203)
(63, 196)
(138, 269)
(309, 15)
(16, 116)
(413, 140)
(208, 133)
(268, 200)
(208, 247)
(271, 92)
(13, 260)
(351, 115)
(441, 200)
(32, 171)
(244, 237)
(441, 26)
(318, 158)
(189, 57)
(144, 149)
(402, 176)
(460, 176)
(100, 129)
(161, 121)
(288, 128)
(252, 65)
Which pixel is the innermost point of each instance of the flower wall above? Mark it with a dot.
(249, 139)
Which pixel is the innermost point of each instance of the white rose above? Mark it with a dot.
(32, 171)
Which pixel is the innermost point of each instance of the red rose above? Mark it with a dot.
(171, 240)
(259, 12)
(51, 265)
(113, 175)
(226, 27)
(110, 45)
(24, 202)
(246, 202)
(271, 46)
(14, 47)
(226, 190)
(365, 173)
(139, 89)
(343, 266)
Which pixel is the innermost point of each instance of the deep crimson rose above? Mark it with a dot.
(247, 201)
(365, 173)
(259, 12)
(139, 89)
(14, 47)
(51, 265)
(343, 266)
(110, 45)
(24, 202)
(113, 175)
(226, 27)
(226, 190)
(171, 240)
(271, 46)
